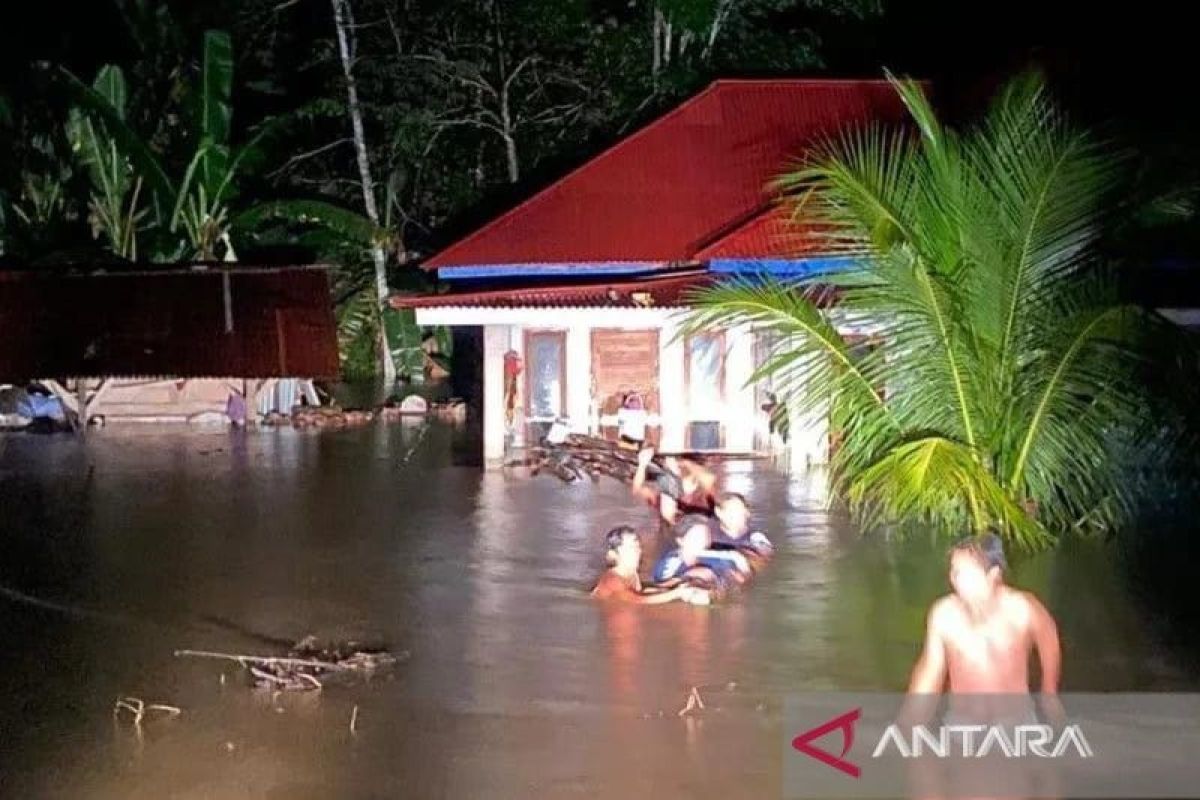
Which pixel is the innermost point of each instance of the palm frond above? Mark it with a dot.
(939, 481)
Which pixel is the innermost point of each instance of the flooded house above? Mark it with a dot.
(168, 344)
(579, 289)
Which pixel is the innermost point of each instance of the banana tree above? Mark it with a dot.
(114, 199)
(410, 346)
(193, 215)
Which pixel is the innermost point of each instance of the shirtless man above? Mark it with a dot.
(980, 636)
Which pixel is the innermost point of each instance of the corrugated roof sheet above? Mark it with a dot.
(666, 192)
(653, 291)
(167, 323)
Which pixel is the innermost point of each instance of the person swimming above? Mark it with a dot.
(684, 487)
(693, 559)
(623, 552)
(732, 529)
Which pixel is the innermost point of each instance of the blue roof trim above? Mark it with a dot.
(792, 267)
(572, 269)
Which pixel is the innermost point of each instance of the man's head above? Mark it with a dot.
(623, 548)
(693, 536)
(733, 514)
(977, 567)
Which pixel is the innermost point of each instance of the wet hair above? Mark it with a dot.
(687, 523)
(727, 496)
(613, 539)
(987, 549)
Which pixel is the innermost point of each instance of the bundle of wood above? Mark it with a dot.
(308, 664)
(581, 456)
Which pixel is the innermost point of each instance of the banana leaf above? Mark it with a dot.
(214, 110)
(404, 342)
(349, 224)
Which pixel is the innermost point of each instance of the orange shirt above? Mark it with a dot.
(613, 586)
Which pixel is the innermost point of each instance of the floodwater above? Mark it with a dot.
(517, 684)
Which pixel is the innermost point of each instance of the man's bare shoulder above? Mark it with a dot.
(1021, 604)
(946, 612)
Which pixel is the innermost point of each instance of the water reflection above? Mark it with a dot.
(519, 685)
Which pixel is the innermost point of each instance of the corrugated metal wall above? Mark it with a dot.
(270, 323)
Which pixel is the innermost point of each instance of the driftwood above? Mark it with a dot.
(695, 703)
(137, 710)
(306, 664)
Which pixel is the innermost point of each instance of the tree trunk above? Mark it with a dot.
(656, 31)
(723, 8)
(510, 143)
(343, 22)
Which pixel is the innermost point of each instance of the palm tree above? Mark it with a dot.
(1007, 369)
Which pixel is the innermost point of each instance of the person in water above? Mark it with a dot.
(693, 559)
(685, 487)
(621, 582)
(732, 529)
(979, 637)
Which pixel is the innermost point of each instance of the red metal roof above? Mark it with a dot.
(660, 292)
(168, 323)
(771, 234)
(666, 192)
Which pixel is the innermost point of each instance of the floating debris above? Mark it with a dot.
(136, 709)
(308, 664)
(695, 703)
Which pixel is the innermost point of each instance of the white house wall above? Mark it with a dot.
(739, 398)
(671, 358)
(504, 329)
(495, 345)
(579, 376)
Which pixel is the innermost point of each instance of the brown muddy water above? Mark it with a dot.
(517, 684)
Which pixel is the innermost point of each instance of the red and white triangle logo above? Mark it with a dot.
(844, 723)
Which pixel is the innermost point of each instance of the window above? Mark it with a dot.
(768, 345)
(546, 378)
